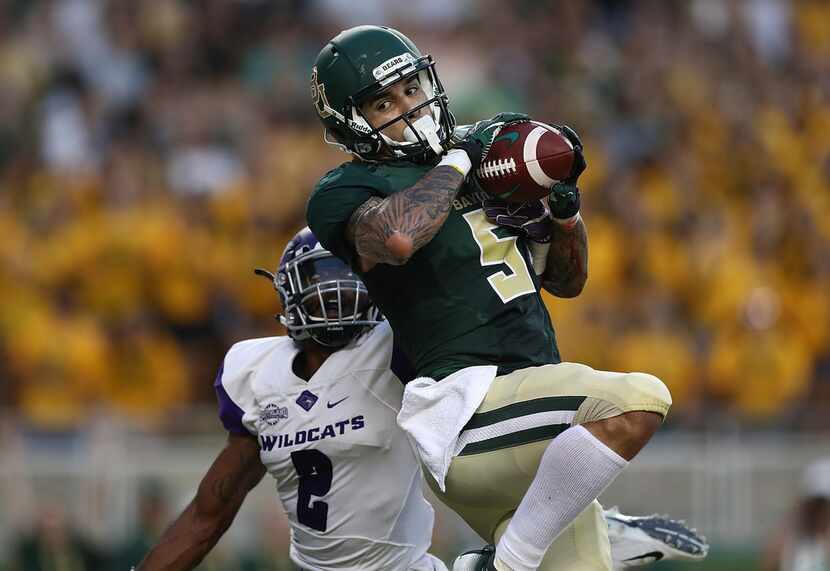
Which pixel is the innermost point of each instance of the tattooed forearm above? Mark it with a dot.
(412, 217)
(567, 261)
(365, 212)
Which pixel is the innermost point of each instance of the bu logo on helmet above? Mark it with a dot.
(318, 96)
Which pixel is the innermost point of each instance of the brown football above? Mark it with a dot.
(525, 160)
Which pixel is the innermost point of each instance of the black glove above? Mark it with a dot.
(564, 197)
(531, 219)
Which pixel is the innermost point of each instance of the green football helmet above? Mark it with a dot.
(357, 65)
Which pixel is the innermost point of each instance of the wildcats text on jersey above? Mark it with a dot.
(268, 442)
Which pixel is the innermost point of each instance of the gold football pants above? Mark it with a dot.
(506, 437)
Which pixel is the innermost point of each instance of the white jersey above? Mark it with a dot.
(347, 476)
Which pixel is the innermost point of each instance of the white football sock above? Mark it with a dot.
(575, 469)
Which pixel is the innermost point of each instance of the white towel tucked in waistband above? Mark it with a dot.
(433, 414)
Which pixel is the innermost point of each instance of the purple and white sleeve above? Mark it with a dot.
(229, 412)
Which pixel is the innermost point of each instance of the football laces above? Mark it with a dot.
(496, 168)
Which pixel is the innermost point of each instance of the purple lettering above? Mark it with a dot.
(342, 425)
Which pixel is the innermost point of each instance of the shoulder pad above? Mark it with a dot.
(250, 352)
(330, 177)
(240, 363)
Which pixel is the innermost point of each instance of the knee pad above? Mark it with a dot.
(618, 393)
(654, 393)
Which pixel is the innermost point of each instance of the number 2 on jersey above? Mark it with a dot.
(315, 472)
(496, 251)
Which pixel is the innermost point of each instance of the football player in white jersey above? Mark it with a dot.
(317, 410)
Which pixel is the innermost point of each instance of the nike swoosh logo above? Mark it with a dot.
(334, 404)
(646, 557)
(512, 136)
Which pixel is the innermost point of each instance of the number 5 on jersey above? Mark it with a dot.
(496, 251)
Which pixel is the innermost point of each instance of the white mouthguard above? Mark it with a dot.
(427, 129)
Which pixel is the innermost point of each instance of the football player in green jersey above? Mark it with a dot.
(519, 443)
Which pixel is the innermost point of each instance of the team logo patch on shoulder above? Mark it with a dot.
(306, 400)
(273, 413)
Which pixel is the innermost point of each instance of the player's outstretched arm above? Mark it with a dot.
(233, 474)
(566, 270)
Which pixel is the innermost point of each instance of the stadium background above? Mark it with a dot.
(152, 153)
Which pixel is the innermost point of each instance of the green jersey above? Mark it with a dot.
(468, 297)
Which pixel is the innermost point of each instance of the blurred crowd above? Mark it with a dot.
(153, 153)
